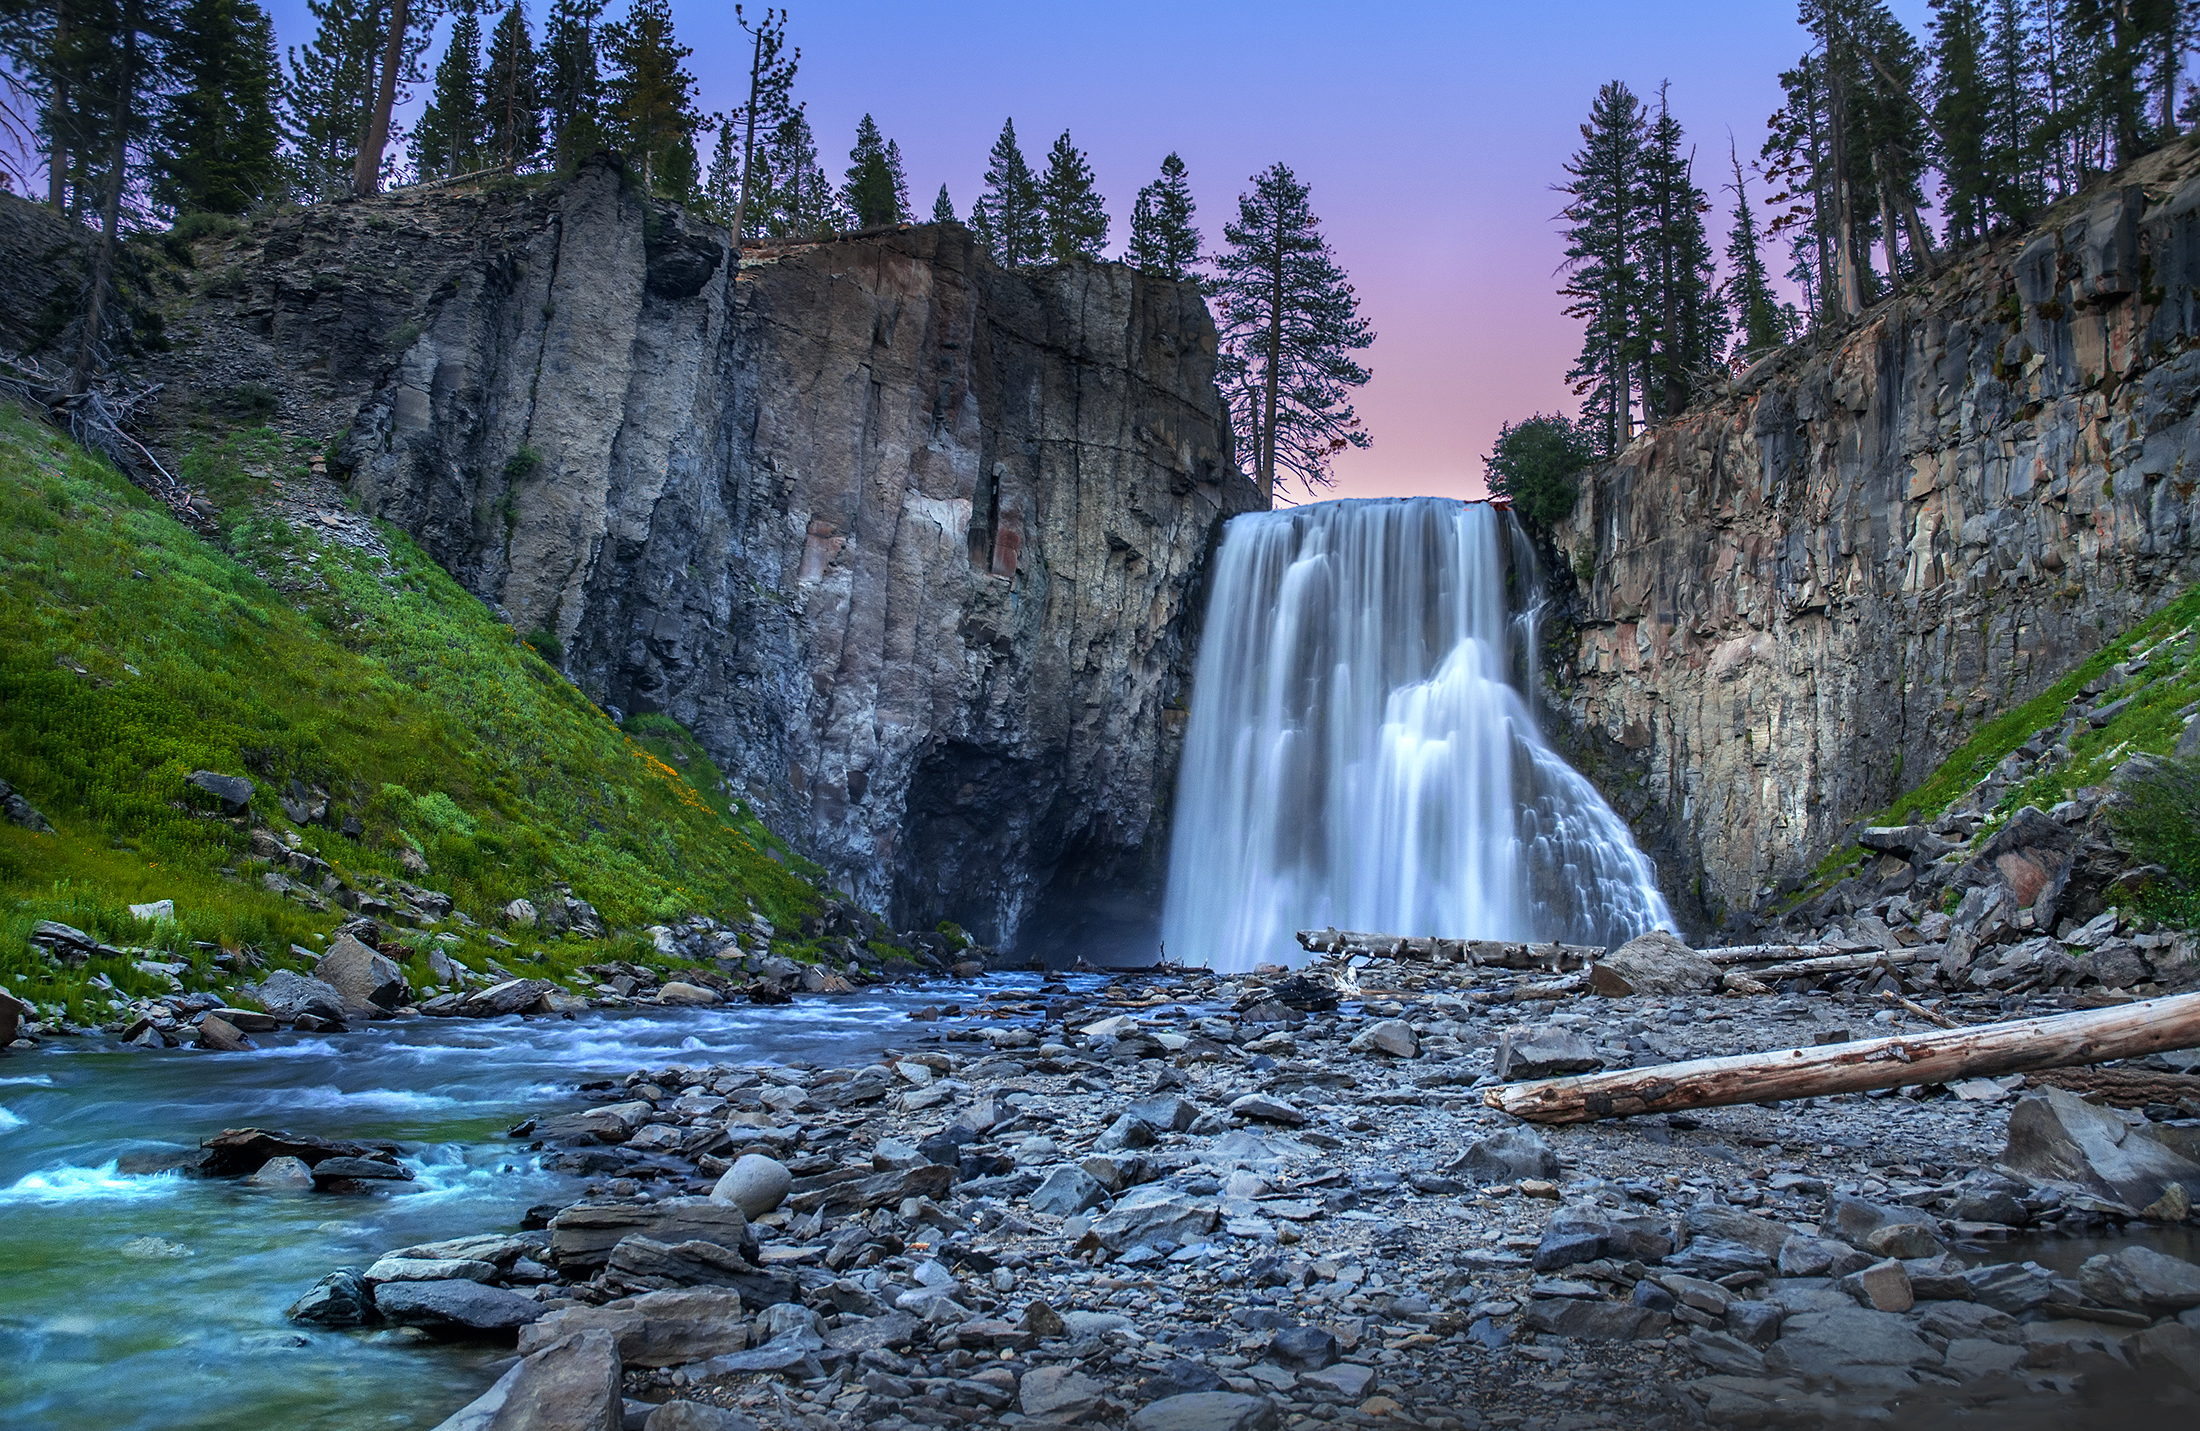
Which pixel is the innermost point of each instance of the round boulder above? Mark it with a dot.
(755, 1184)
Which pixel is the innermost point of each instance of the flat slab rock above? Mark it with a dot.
(454, 1305)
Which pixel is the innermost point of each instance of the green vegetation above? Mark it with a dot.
(133, 652)
(1537, 463)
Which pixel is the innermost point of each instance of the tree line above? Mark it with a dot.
(2001, 108)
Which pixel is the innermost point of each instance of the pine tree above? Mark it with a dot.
(2010, 150)
(1006, 216)
(721, 197)
(652, 108)
(573, 89)
(943, 208)
(1762, 321)
(1603, 279)
(327, 93)
(219, 145)
(124, 44)
(1960, 117)
(1685, 321)
(870, 192)
(447, 140)
(900, 177)
(769, 102)
(1536, 465)
(1163, 238)
(1290, 325)
(1074, 223)
(802, 201)
(400, 30)
(511, 93)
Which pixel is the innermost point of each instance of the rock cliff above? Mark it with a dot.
(1797, 600)
(911, 543)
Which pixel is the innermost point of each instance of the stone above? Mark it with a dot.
(668, 1328)
(160, 911)
(1043, 1321)
(1161, 1215)
(520, 914)
(1509, 1156)
(1802, 1255)
(583, 1235)
(1883, 1286)
(512, 996)
(1584, 1232)
(1125, 1132)
(1969, 1358)
(2010, 1287)
(1814, 1344)
(233, 792)
(1058, 1393)
(1883, 1231)
(1714, 1257)
(367, 1170)
(2056, 1136)
(695, 1416)
(338, 1300)
(1726, 1354)
(1652, 963)
(1393, 1037)
(1067, 1191)
(638, 1261)
(2142, 1280)
(220, 1034)
(755, 1183)
(20, 811)
(429, 1269)
(1303, 1348)
(682, 993)
(1757, 1323)
(1207, 1411)
(572, 1384)
(1726, 1224)
(288, 995)
(1347, 1379)
(284, 1172)
(1595, 1321)
(1525, 1052)
(367, 980)
(1166, 1112)
(454, 1305)
(1261, 1108)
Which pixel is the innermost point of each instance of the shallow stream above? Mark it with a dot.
(157, 1301)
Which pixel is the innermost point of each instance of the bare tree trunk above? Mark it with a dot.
(1887, 227)
(57, 116)
(87, 348)
(1844, 206)
(2018, 1046)
(748, 143)
(1274, 376)
(366, 173)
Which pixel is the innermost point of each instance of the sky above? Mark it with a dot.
(1431, 135)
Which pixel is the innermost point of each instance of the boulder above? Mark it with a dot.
(1393, 1037)
(1166, 1112)
(283, 1172)
(1509, 1156)
(755, 1183)
(1060, 1394)
(338, 1300)
(233, 791)
(1881, 1230)
(364, 1170)
(289, 995)
(429, 1269)
(670, 1328)
(1303, 1348)
(1261, 1108)
(2056, 1136)
(1584, 1232)
(1883, 1286)
(1066, 1191)
(20, 811)
(1125, 1132)
(2141, 1280)
(454, 1306)
(366, 979)
(513, 996)
(1652, 963)
(682, 993)
(220, 1034)
(572, 1384)
(1815, 1344)
(1595, 1321)
(583, 1235)
(1726, 1224)
(1525, 1052)
(1161, 1214)
(1206, 1411)
(520, 914)
(642, 1262)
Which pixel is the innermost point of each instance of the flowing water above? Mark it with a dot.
(101, 1329)
(1361, 755)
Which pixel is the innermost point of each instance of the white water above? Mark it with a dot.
(1360, 755)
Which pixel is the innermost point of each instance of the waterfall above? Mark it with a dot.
(1360, 753)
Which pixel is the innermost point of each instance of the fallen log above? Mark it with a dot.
(1771, 953)
(1841, 964)
(2124, 1087)
(1982, 1051)
(1488, 953)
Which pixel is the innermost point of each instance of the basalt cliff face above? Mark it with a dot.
(911, 543)
(1798, 600)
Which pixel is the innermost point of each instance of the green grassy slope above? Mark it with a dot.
(133, 652)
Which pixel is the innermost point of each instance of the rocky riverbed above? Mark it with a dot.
(1280, 1201)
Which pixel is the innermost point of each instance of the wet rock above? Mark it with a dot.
(221, 1035)
(1526, 1052)
(670, 1328)
(1393, 1037)
(572, 1384)
(454, 1306)
(1652, 963)
(367, 981)
(682, 993)
(365, 1170)
(429, 1269)
(583, 1235)
(289, 995)
(234, 792)
(1206, 1411)
(338, 1300)
(755, 1183)
(283, 1172)
(513, 996)
(2142, 1280)
(2057, 1137)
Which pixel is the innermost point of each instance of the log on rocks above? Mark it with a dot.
(1489, 953)
(2018, 1046)
(1779, 953)
(2124, 1087)
(1842, 964)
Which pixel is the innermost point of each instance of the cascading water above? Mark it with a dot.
(1360, 756)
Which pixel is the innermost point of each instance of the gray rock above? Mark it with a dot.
(570, 1385)
(2056, 1136)
(1726, 1354)
(695, 1416)
(1968, 1358)
(669, 1328)
(1584, 1232)
(1709, 1220)
(2142, 1280)
(1206, 1411)
(1715, 1257)
(220, 1034)
(1393, 1037)
(887, 1331)
(460, 1305)
(283, 1172)
(1804, 1256)
(1509, 1156)
(583, 1235)
(1348, 1380)
(338, 1300)
(755, 1183)
(429, 1269)
(1815, 1344)
(1303, 1348)
(1261, 1108)
(20, 811)
(367, 981)
(1757, 1323)
(1058, 1393)
(233, 791)
(288, 995)
(1595, 1321)
(1125, 1132)
(1159, 1215)
(513, 996)
(1652, 963)
(366, 1170)
(1067, 1190)
(1166, 1112)
(1883, 1231)
(638, 1261)
(2010, 1287)
(1883, 1286)
(1524, 1052)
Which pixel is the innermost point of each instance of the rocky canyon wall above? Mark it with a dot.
(1794, 602)
(911, 543)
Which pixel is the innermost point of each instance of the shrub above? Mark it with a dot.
(546, 645)
(1536, 464)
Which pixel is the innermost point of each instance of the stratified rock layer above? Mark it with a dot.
(1798, 600)
(911, 543)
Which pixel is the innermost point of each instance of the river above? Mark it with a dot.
(157, 1301)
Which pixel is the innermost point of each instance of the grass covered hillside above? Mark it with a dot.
(315, 660)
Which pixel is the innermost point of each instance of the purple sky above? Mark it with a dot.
(1431, 134)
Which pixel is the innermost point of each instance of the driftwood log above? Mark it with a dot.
(1489, 953)
(2125, 1087)
(1982, 1051)
(1841, 964)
